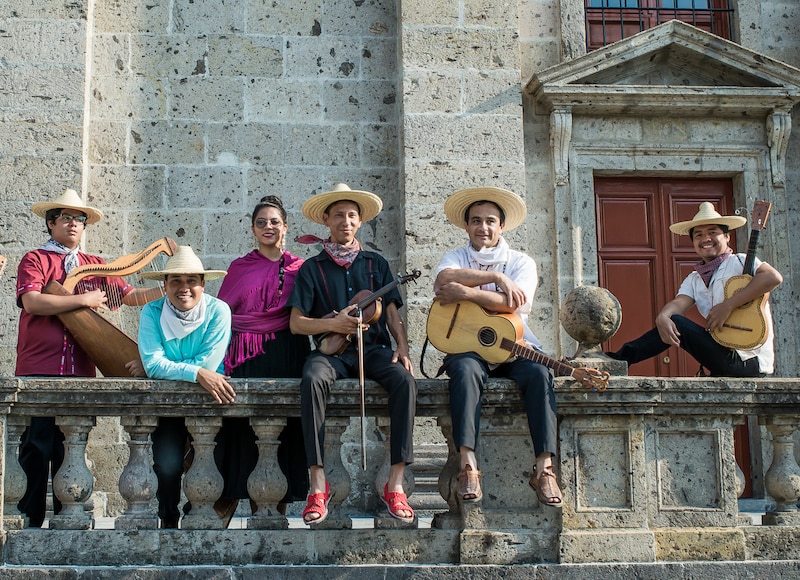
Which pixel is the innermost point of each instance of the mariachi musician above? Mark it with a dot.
(705, 287)
(326, 284)
(44, 346)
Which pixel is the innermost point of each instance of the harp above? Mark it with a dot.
(107, 345)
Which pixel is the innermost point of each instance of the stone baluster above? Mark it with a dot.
(382, 518)
(782, 480)
(267, 485)
(138, 482)
(73, 483)
(203, 483)
(15, 481)
(336, 475)
(453, 518)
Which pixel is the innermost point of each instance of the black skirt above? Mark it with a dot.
(236, 451)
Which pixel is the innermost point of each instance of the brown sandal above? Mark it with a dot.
(469, 485)
(547, 490)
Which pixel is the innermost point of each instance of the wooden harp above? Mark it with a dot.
(108, 346)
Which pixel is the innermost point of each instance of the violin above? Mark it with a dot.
(369, 303)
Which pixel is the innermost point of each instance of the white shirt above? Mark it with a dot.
(520, 267)
(707, 297)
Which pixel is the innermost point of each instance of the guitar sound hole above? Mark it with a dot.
(487, 336)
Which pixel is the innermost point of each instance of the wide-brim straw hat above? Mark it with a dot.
(369, 203)
(184, 261)
(707, 215)
(68, 200)
(513, 206)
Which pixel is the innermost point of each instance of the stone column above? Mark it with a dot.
(336, 475)
(382, 518)
(14, 480)
(203, 483)
(73, 483)
(783, 477)
(138, 482)
(267, 485)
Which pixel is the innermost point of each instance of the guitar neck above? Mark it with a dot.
(750, 259)
(559, 368)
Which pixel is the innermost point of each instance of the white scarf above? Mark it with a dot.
(179, 323)
(71, 261)
(488, 257)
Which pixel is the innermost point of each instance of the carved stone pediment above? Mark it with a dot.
(673, 68)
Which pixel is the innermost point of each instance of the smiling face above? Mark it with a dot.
(343, 218)
(184, 291)
(67, 232)
(269, 229)
(484, 225)
(709, 241)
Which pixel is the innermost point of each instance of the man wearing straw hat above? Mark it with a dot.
(182, 337)
(487, 272)
(326, 284)
(705, 288)
(44, 346)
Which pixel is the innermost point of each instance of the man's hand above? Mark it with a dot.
(452, 292)
(718, 315)
(667, 330)
(217, 385)
(94, 299)
(346, 321)
(136, 368)
(401, 354)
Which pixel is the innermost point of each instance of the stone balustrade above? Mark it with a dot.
(647, 469)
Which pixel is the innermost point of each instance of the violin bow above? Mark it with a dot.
(360, 341)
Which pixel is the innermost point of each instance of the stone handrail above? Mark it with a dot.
(645, 467)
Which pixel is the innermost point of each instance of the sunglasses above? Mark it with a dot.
(65, 217)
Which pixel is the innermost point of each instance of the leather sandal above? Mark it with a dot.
(469, 485)
(546, 486)
(397, 501)
(317, 504)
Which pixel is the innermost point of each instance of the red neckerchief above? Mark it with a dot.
(342, 255)
(707, 269)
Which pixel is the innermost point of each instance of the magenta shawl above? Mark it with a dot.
(251, 290)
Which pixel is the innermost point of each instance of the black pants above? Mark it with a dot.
(169, 448)
(468, 375)
(720, 361)
(319, 373)
(42, 447)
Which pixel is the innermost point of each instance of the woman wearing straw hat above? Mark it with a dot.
(705, 288)
(489, 273)
(326, 283)
(44, 346)
(182, 337)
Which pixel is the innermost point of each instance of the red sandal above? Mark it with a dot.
(397, 501)
(317, 504)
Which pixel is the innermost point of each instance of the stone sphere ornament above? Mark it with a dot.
(591, 315)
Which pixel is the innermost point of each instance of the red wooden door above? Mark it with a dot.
(643, 264)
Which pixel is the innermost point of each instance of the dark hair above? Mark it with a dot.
(481, 202)
(202, 276)
(723, 227)
(330, 205)
(269, 201)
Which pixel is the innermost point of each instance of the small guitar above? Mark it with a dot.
(746, 327)
(467, 327)
(333, 343)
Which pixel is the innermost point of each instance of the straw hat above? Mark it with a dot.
(511, 204)
(370, 204)
(707, 215)
(68, 200)
(184, 261)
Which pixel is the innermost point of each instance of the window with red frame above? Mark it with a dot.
(610, 20)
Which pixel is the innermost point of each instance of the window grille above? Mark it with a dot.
(610, 20)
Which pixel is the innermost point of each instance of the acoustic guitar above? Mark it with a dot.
(746, 327)
(467, 327)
